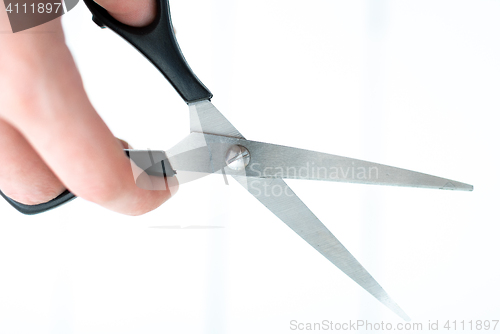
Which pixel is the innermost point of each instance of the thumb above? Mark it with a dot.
(136, 13)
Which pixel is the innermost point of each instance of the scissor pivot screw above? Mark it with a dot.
(237, 157)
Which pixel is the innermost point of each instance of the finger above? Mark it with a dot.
(124, 144)
(137, 13)
(54, 114)
(24, 176)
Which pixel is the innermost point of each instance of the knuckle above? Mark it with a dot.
(22, 101)
(38, 98)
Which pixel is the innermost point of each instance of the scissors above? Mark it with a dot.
(215, 146)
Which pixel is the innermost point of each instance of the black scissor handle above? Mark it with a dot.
(65, 197)
(158, 44)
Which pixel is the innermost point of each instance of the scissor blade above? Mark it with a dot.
(292, 211)
(287, 162)
(205, 118)
(211, 135)
(276, 161)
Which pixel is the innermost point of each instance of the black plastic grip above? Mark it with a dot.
(157, 43)
(65, 197)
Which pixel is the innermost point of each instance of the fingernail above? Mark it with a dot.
(125, 144)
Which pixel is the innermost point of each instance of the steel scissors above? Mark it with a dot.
(214, 145)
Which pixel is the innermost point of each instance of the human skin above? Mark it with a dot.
(47, 121)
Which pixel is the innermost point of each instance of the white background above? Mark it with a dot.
(413, 84)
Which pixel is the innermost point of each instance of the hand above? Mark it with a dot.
(51, 138)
